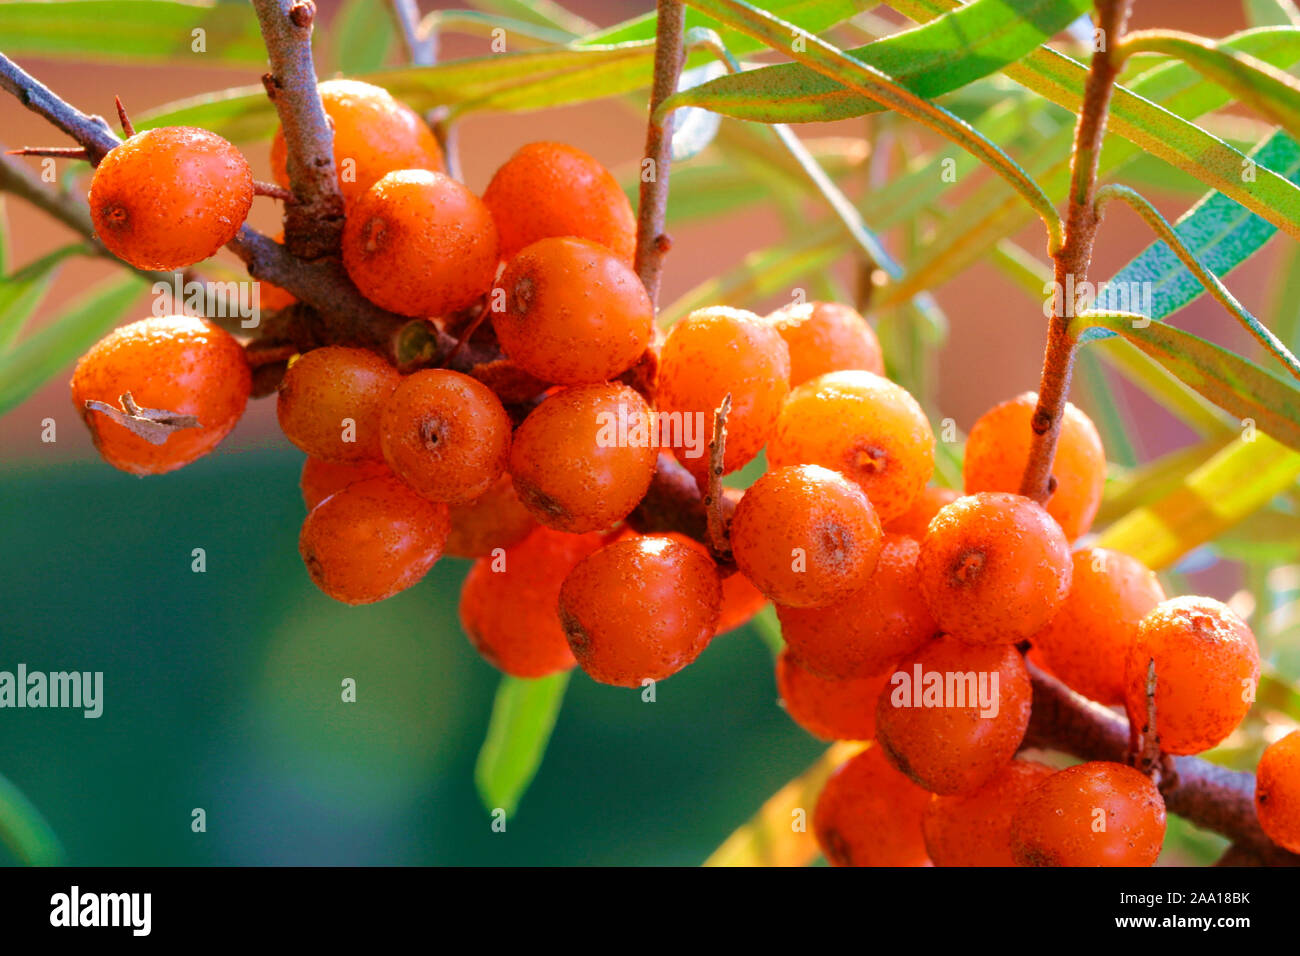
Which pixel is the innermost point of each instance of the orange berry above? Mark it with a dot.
(826, 337)
(994, 568)
(640, 609)
(974, 829)
(712, 353)
(740, 599)
(573, 312)
(331, 400)
(509, 604)
(805, 536)
(997, 451)
(1087, 641)
(371, 540)
(1277, 791)
(1058, 822)
(320, 479)
(495, 519)
(170, 197)
(174, 362)
(915, 521)
(869, 814)
(445, 434)
(1207, 669)
(868, 630)
(419, 243)
(374, 134)
(954, 714)
(550, 189)
(864, 426)
(571, 466)
(829, 709)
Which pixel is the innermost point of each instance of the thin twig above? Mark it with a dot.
(719, 540)
(92, 132)
(421, 44)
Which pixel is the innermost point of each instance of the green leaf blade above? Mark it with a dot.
(523, 716)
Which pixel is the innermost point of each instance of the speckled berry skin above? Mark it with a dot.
(551, 189)
(994, 568)
(974, 829)
(826, 337)
(829, 709)
(806, 536)
(944, 739)
(868, 630)
(1059, 822)
(1277, 791)
(740, 599)
(573, 312)
(170, 197)
(495, 519)
(419, 243)
(175, 362)
(997, 451)
(640, 609)
(1207, 670)
(863, 426)
(371, 540)
(569, 467)
(915, 521)
(324, 389)
(869, 814)
(320, 479)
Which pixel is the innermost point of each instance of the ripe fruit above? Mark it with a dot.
(712, 353)
(174, 362)
(495, 519)
(869, 814)
(954, 714)
(1092, 814)
(740, 599)
(805, 536)
(997, 451)
(374, 134)
(868, 630)
(915, 521)
(994, 568)
(371, 540)
(573, 312)
(577, 461)
(829, 709)
(420, 244)
(863, 426)
(320, 479)
(974, 829)
(509, 603)
(550, 189)
(826, 337)
(1207, 669)
(445, 434)
(1087, 641)
(1277, 791)
(331, 400)
(170, 197)
(640, 609)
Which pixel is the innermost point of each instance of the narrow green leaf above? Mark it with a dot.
(361, 36)
(1272, 13)
(1270, 535)
(545, 13)
(21, 292)
(4, 239)
(25, 831)
(1149, 482)
(523, 716)
(1199, 414)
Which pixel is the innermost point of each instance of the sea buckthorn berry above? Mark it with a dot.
(863, 426)
(320, 479)
(974, 829)
(829, 709)
(1087, 641)
(581, 461)
(954, 714)
(806, 536)
(997, 451)
(740, 599)
(915, 521)
(175, 363)
(170, 197)
(445, 434)
(420, 244)
(495, 519)
(573, 312)
(826, 337)
(550, 189)
(994, 568)
(1207, 669)
(371, 540)
(1092, 814)
(640, 609)
(331, 401)
(712, 353)
(374, 134)
(1277, 791)
(869, 814)
(869, 629)
(509, 604)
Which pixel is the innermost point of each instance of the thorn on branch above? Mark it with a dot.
(154, 425)
(125, 120)
(1144, 742)
(57, 152)
(719, 540)
(273, 191)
